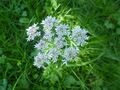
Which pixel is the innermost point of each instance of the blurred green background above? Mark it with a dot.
(100, 58)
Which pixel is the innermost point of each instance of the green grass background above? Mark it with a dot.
(99, 67)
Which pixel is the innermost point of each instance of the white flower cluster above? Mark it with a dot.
(79, 35)
(58, 44)
(32, 32)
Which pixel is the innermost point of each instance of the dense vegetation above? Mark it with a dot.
(100, 58)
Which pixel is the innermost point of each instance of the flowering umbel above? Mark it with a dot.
(59, 43)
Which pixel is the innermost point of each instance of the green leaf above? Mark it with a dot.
(3, 84)
(2, 59)
(23, 83)
(24, 13)
(35, 76)
(9, 66)
(35, 52)
(118, 21)
(54, 4)
(69, 80)
(118, 31)
(51, 73)
(109, 25)
(1, 51)
(24, 20)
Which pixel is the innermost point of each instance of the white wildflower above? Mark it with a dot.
(49, 22)
(79, 35)
(39, 60)
(32, 32)
(48, 35)
(53, 54)
(69, 54)
(41, 45)
(61, 30)
(60, 42)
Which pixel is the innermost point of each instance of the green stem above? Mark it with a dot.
(85, 63)
(17, 81)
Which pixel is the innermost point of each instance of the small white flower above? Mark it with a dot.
(32, 32)
(39, 60)
(41, 45)
(79, 35)
(69, 54)
(48, 35)
(61, 30)
(60, 42)
(49, 22)
(53, 54)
